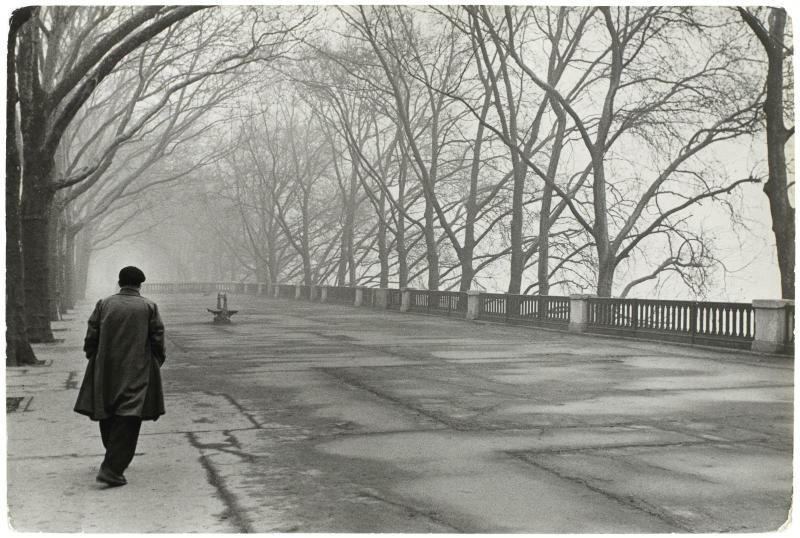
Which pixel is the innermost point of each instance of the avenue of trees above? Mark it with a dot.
(549, 149)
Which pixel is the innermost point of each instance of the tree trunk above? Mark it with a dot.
(308, 278)
(341, 270)
(777, 135)
(431, 245)
(543, 265)
(432, 248)
(776, 187)
(69, 271)
(272, 254)
(402, 253)
(383, 252)
(36, 203)
(517, 255)
(605, 278)
(468, 250)
(351, 217)
(82, 256)
(37, 196)
(55, 263)
(467, 270)
(18, 349)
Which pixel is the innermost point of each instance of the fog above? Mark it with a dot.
(420, 147)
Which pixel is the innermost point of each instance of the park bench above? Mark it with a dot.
(222, 314)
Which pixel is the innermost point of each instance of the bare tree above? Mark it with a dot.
(18, 349)
(778, 135)
(680, 100)
(54, 81)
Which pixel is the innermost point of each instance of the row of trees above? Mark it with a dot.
(103, 105)
(547, 148)
(540, 147)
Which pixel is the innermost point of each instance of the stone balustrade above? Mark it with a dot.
(764, 326)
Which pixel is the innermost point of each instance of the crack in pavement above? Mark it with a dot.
(431, 515)
(233, 512)
(341, 375)
(237, 405)
(611, 446)
(626, 500)
(624, 391)
(59, 456)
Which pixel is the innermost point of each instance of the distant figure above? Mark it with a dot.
(122, 385)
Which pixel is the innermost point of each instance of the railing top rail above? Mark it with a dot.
(667, 301)
(488, 294)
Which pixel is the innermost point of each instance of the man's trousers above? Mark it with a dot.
(120, 435)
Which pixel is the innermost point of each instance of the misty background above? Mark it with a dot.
(202, 226)
(405, 145)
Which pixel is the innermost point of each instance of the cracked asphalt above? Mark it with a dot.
(302, 417)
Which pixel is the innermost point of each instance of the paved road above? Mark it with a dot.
(321, 418)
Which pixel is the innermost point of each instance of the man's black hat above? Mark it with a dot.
(131, 276)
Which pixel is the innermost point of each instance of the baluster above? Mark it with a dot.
(684, 322)
(723, 320)
(738, 322)
(656, 321)
(724, 328)
(675, 324)
(712, 320)
(743, 321)
(740, 312)
(623, 314)
(723, 314)
(745, 317)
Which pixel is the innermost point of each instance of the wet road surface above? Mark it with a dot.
(322, 418)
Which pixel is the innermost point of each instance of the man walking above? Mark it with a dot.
(122, 385)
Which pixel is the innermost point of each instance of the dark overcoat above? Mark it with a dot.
(125, 347)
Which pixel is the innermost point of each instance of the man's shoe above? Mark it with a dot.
(111, 478)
